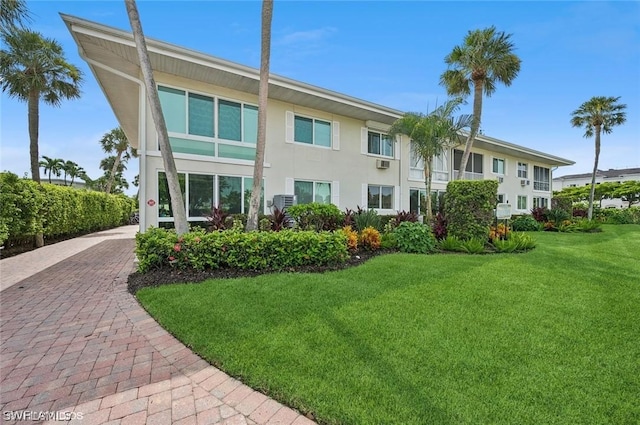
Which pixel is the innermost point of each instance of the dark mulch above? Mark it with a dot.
(169, 275)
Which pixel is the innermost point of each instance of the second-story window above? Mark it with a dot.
(379, 144)
(312, 131)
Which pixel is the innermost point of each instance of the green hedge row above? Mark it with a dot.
(247, 251)
(27, 208)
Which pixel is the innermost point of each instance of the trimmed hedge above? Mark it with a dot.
(414, 238)
(200, 250)
(27, 208)
(316, 216)
(469, 208)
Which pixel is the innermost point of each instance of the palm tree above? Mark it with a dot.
(116, 142)
(51, 165)
(263, 94)
(14, 14)
(431, 135)
(72, 170)
(484, 59)
(598, 115)
(34, 68)
(177, 201)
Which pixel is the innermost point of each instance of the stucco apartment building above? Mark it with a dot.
(602, 176)
(322, 146)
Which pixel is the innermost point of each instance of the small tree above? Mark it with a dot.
(431, 135)
(116, 143)
(629, 191)
(51, 166)
(598, 115)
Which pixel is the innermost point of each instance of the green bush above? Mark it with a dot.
(469, 208)
(367, 218)
(505, 245)
(248, 251)
(27, 208)
(317, 217)
(524, 242)
(388, 241)
(451, 243)
(473, 246)
(558, 215)
(414, 238)
(620, 216)
(525, 223)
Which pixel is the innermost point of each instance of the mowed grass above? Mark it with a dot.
(551, 336)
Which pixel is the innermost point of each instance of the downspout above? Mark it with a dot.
(142, 149)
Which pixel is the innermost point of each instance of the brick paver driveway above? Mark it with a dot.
(74, 340)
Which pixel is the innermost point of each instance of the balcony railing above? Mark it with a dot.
(541, 186)
(469, 176)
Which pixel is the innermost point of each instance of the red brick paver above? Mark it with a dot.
(74, 340)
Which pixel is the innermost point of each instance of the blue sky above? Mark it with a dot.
(388, 52)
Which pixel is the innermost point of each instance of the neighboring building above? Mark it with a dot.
(602, 176)
(77, 183)
(322, 146)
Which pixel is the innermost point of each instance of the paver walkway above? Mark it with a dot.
(74, 340)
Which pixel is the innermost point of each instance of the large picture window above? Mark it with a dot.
(439, 166)
(541, 178)
(309, 191)
(196, 122)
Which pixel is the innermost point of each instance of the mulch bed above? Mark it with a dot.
(169, 275)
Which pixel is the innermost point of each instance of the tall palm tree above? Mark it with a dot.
(484, 59)
(14, 14)
(177, 201)
(263, 95)
(115, 142)
(72, 170)
(33, 68)
(431, 135)
(598, 115)
(51, 166)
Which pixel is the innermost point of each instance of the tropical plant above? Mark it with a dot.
(369, 239)
(51, 166)
(33, 68)
(598, 115)
(451, 243)
(175, 194)
(472, 246)
(484, 59)
(366, 218)
(431, 135)
(217, 218)
(279, 220)
(14, 14)
(116, 143)
(73, 171)
(414, 238)
(263, 94)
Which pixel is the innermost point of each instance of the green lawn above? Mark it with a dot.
(551, 336)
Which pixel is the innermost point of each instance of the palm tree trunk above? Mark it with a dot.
(112, 177)
(475, 127)
(177, 201)
(427, 184)
(263, 95)
(34, 118)
(592, 192)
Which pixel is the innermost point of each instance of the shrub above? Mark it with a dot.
(279, 220)
(348, 218)
(588, 226)
(389, 241)
(524, 242)
(248, 251)
(540, 214)
(217, 219)
(505, 245)
(580, 212)
(557, 215)
(439, 226)
(315, 216)
(366, 218)
(499, 232)
(414, 238)
(403, 216)
(451, 243)
(369, 239)
(469, 207)
(621, 216)
(563, 203)
(352, 238)
(473, 246)
(525, 223)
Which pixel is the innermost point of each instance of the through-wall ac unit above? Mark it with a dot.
(382, 163)
(524, 182)
(500, 179)
(284, 201)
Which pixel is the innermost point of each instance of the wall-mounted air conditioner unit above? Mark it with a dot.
(382, 163)
(524, 182)
(500, 179)
(284, 201)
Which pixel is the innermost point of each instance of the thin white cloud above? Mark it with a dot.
(302, 37)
